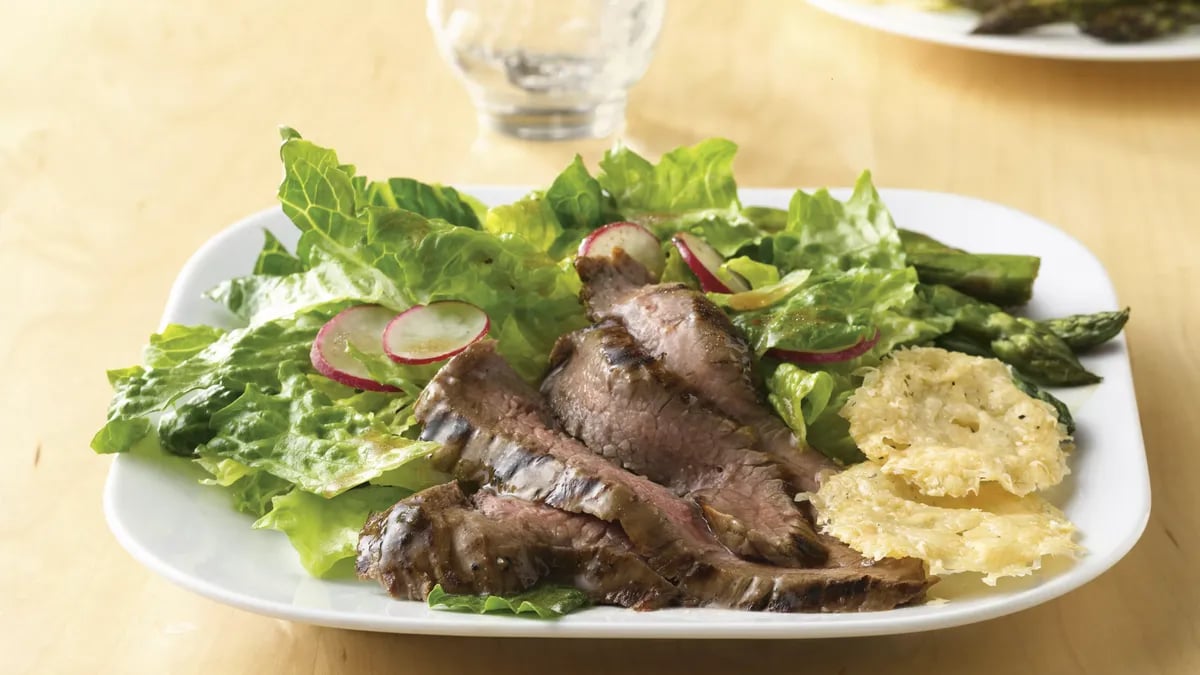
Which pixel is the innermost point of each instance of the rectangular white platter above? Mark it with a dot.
(189, 534)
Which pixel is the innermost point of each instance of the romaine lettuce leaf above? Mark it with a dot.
(325, 531)
(301, 435)
(275, 259)
(799, 396)
(809, 402)
(253, 494)
(258, 298)
(823, 233)
(431, 201)
(829, 311)
(379, 254)
(576, 199)
(757, 274)
(530, 218)
(175, 402)
(177, 343)
(546, 601)
(691, 188)
(251, 396)
(685, 179)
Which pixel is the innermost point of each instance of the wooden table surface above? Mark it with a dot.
(131, 131)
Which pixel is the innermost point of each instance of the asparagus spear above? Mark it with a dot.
(1064, 413)
(1082, 332)
(915, 242)
(997, 278)
(1015, 16)
(1004, 280)
(978, 5)
(1138, 22)
(1032, 349)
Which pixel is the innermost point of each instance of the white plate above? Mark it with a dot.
(189, 534)
(954, 28)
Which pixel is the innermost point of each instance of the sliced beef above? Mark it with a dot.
(495, 430)
(695, 339)
(609, 393)
(491, 544)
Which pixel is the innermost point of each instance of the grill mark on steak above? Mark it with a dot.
(609, 393)
(492, 544)
(512, 447)
(695, 340)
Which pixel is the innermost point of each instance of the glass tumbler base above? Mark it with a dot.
(539, 124)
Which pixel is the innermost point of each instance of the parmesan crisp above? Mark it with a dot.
(993, 532)
(948, 423)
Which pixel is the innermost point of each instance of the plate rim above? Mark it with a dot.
(449, 623)
(860, 12)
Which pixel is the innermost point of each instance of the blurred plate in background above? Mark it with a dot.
(954, 28)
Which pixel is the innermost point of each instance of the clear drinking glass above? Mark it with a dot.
(548, 69)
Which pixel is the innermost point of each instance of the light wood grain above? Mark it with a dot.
(132, 131)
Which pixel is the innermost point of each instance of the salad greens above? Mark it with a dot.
(545, 601)
(312, 458)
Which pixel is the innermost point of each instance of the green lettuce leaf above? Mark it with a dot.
(251, 396)
(260, 298)
(546, 601)
(691, 188)
(275, 259)
(176, 402)
(533, 220)
(800, 396)
(823, 233)
(576, 199)
(301, 435)
(767, 218)
(828, 312)
(530, 298)
(828, 309)
(177, 343)
(555, 221)
(325, 531)
(676, 270)
(250, 490)
(809, 402)
(431, 201)
(381, 254)
(685, 179)
(757, 274)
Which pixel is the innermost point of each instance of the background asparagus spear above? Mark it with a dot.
(978, 5)
(1082, 332)
(1139, 21)
(1031, 348)
(1015, 16)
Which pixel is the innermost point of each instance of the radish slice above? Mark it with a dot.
(704, 261)
(434, 332)
(637, 242)
(854, 351)
(361, 326)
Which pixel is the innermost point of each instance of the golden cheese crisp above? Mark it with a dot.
(993, 532)
(948, 422)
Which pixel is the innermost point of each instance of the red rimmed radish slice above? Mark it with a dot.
(361, 326)
(637, 242)
(704, 261)
(434, 332)
(853, 351)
